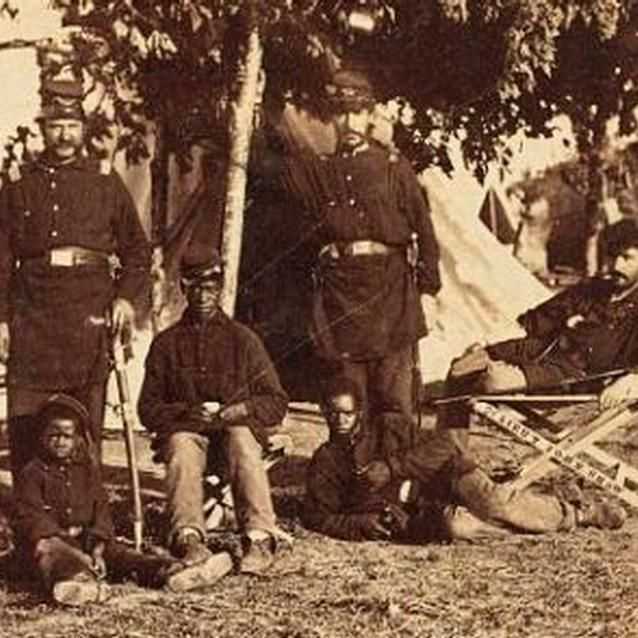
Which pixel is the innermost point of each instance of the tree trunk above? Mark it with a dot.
(242, 111)
(595, 193)
(159, 187)
(159, 224)
(593, 205)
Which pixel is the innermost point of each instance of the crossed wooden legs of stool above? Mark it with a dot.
(573, 447)
(219, 509)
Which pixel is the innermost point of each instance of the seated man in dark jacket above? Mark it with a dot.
(63, 518)
(210, 386)
(587, 329)
(380, 481)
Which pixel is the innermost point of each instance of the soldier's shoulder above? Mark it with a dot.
(96, 166)
(244, 331)
(34, 468)
(166, 336)
(16, 172)
(388, 153)
(305, 157)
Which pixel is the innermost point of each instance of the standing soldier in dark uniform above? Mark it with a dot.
(376, 251)
(61, 223)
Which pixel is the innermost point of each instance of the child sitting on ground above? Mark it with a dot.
(63, 517)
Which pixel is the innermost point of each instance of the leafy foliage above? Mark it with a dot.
(479, 70)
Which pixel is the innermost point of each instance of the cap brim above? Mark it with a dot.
(60, 115)
(199, 273)
(351, 103)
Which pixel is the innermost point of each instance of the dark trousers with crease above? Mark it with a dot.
(387, 383)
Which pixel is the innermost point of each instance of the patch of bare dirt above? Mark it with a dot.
(578, 585)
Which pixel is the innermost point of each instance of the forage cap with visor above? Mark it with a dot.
(350, 90)
(63, 406)
(61, 99)
(201, 261)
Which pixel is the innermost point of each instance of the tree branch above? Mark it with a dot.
(20, 43)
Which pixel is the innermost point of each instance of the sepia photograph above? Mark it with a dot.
(319, 319)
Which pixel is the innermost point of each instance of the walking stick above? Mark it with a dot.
(417, 380)
(120, 354)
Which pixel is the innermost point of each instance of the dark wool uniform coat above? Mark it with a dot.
(336, 504)
(580, 331)
(58, 339)
(52, 497)
(219, 360)
(365, 306)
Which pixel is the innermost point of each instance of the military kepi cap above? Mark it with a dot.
(62, 110)
(61, 99)
(201, 261)
(350, 89)
(63, 406)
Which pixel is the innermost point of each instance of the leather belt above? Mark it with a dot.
(70, 256)
(362, 247)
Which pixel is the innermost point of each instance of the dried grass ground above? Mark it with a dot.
(583, 584)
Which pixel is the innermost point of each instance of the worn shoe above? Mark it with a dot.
(201, 574)
(604, 515)
(190, 548)
(259, 555)
(80, 590)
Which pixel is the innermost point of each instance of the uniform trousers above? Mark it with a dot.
(487, 509)
(386, 383)
(186, 456)
(472, 506)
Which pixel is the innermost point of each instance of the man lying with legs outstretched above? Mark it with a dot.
(377, 480)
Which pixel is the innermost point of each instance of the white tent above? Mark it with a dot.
(484, 287)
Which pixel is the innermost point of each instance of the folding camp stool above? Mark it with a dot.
(219, 509)
(573, 447)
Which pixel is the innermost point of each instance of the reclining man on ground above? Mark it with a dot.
(379, 480)
(210, 388)
(590, 328)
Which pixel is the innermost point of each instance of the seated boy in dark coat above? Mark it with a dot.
(63, 516)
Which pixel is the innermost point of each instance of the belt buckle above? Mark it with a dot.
(74, 531)
(357, 248)
(60, 258)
